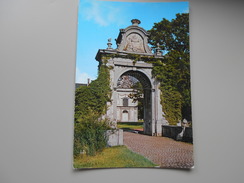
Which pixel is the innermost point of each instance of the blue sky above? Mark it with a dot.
(100, 20)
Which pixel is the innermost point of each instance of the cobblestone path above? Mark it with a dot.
(165, 152)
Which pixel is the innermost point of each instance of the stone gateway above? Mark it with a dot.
(124, 71)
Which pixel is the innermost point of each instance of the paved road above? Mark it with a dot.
(165, 152)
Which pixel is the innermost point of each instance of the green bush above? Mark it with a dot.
(89, 135)
(90, 105)
(172, 102)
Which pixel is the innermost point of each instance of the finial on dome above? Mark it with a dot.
(135, 22)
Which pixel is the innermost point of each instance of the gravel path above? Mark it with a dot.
(165, 152)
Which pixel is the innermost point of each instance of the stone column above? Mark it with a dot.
(158, 112)
(114, 104)
(112, 108)
(153, 104)
(147, 112)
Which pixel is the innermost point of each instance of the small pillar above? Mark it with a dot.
(158, 50)
(109, 44)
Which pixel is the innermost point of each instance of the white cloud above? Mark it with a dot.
(186, 10)
(82, 77)
(94, 12)
(102, 13)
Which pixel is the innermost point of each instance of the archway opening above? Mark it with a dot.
(135, 87)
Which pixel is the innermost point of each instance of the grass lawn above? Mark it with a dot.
(131, 126)
(113, 157)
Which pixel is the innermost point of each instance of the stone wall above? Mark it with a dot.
(173, 131)
(115, 137)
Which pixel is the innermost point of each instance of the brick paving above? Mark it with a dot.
(165, 152)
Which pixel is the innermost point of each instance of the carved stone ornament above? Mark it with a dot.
(134, 43)
(124, 82)
(133, 39)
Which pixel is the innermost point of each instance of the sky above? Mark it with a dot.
(100, 20)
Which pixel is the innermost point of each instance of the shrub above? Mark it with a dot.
(172, 104)
(89, 135)
(90, 105)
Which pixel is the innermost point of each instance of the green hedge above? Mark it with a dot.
(93, 98)
(90, 105)
(130, 123)
(89, 136)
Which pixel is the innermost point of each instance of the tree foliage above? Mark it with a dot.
(138, 96)
(93, 98)
(173, 71)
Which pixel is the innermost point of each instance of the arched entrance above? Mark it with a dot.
(132, 43)
(129, 80)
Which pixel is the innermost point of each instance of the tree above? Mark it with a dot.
(138, 95)
(174, 69)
